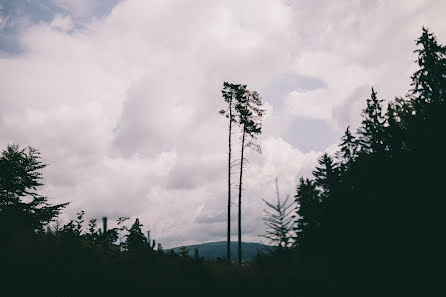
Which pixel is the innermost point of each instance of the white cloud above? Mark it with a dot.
(313, 104)
(63, 23)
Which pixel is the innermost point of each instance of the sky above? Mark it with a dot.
(122, 97)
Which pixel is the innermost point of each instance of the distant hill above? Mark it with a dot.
(214, 250)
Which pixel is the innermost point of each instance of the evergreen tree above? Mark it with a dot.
(429, 81)
(135, 239)
(326, 175)
(279, 221)
(396, 131)
(308, 210)
(250, 112)
(382, 213)
(20, 177)
(428, 95)
(371, 131)
(349, 147)
(75, 227)
(92, 232)
(231, 93)
(184, 252)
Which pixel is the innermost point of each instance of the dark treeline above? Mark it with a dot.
(369, 222)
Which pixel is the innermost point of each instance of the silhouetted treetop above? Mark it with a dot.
(135, 239)
(371, 132)
(20, 177)
(429, 81)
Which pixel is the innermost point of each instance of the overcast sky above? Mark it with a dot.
(122, 97)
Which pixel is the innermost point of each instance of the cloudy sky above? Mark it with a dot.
(122, 97)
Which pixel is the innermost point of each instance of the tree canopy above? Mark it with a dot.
(20, 178)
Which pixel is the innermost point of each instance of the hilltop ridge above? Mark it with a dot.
(214, 250)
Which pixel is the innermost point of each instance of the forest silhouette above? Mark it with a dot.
(369, 223)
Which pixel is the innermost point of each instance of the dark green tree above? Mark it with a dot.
(380, 212)
(371, 132)
(92, 232)
(231, 94)
(20, 203)
(428, 95)
(348, 147)
(249, 115)
(308, 210)
(184, 252)
(326, 175)
(75, 227)
(396, 130)
(429, 81)
(135, 239)
(280, 222)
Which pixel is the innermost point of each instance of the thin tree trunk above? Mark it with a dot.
(228, 244)
(240, 202)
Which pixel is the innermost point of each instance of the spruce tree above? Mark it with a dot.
(371, 131)
(135, 239)
(429, 81)
(428, 95)
(349, 147)
(308, 210)
(326, 175)
(280, 222)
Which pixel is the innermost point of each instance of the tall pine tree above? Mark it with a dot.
(429, 81)
(231, 93)
(250, 112)
(371, 131)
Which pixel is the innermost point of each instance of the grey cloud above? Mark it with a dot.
(348, 112)
(195, 171)
(155, 115)
(125, 107)
(206, 218)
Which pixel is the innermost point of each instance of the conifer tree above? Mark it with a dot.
(326, 175)
(135, 239)
(371, 131)
(231, 93)
(428, 94)
(249, 114)
(348, 146)
(429, 81)
(396, 131)
(308, 210)
(280, 222)
(20, 177)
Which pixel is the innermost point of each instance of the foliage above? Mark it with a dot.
(249, 115)
(308, 211)
(231, 93)
(20, 177)
(371, 132)
(373, 215)
(135, 238)
(279, 221)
